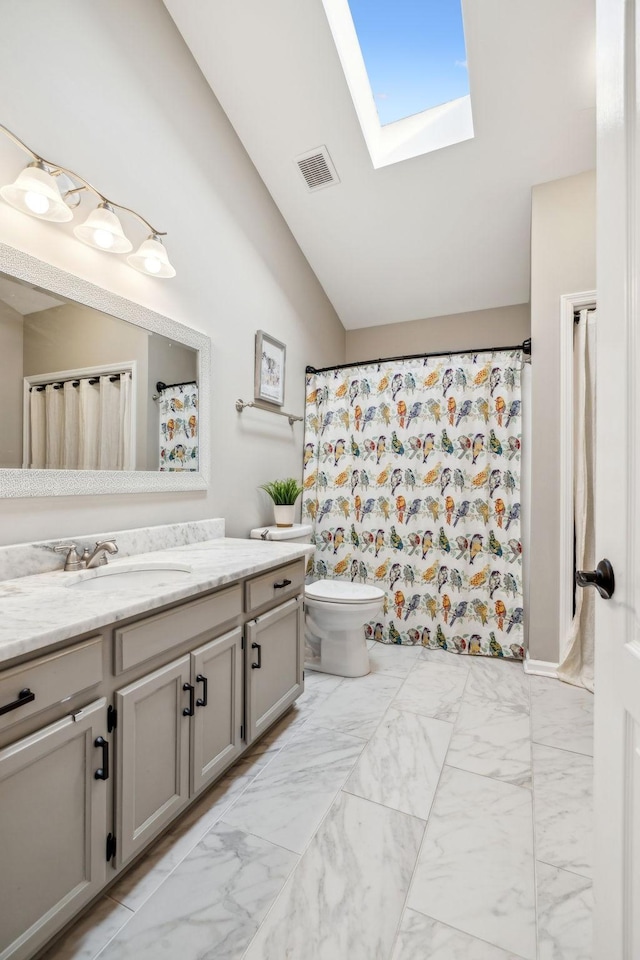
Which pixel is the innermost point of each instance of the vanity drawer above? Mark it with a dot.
(49, 680)
(273, 585)
(146, 639)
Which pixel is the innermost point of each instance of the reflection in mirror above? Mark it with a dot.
(81, 388)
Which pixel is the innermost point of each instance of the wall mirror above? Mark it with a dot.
(101, 395)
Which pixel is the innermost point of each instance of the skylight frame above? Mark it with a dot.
(413, 136)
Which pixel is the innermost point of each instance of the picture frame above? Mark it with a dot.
(270, 367)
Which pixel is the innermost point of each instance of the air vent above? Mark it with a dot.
(317, 169)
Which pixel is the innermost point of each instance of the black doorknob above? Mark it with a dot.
(601, 578)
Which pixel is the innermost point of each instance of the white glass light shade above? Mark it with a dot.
(151, 258)
(36, 192)
(102, 229)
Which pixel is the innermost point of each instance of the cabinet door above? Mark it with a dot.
(152, 754)
(53, 828)
(273, 665)
(216, 671)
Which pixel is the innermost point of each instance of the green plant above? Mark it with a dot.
(282, 492)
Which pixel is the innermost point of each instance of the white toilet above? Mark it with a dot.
(336, 612)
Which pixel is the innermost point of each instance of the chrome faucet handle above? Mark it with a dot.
(73, 560)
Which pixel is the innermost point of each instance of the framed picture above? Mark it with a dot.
(270, 369)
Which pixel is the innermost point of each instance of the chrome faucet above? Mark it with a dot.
(88, 560)
(99, 556)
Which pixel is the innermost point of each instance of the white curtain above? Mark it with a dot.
(37, 423)
(71, 426)
(125, 458)
(89, 425)
(54, 437)
(577, 663)
(109, 452)
(82, 424)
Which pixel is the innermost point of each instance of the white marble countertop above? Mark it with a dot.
(37, 611)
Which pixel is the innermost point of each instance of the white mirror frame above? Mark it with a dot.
(67, 483)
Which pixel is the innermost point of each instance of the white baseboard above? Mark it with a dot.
(540, 668)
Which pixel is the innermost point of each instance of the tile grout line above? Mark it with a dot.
(534, 834)
(426, 826)
(510, 954)
(435, 797)
(574, 873)
(552, 746)
(338, 792)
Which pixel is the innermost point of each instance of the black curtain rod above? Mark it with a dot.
(525, 347)
(74, 383)
(166, 386)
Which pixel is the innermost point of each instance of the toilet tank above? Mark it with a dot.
(298, 533)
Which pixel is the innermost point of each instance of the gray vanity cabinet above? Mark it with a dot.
(273, 665)
(152, 745)
(178, 729)
(217, 724)
(105, 741)
(53, 807)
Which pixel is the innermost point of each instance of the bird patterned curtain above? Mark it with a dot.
(179, 443)
(412, 481)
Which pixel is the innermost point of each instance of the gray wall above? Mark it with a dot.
(153, 136)
(563, 261)
(502, 326)
(11, 380)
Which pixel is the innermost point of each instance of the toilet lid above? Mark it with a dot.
(341, 591)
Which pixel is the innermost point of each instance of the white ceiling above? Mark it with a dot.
(23, 298)
(442, 233)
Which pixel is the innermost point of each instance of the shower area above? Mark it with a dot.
(413, 471)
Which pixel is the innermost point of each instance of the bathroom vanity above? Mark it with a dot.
(125, 705)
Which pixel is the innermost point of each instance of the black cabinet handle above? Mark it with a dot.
(601, 578)
(102, 773)
(281, 583)
(189, 711)
(25, 696)
(204, 699)
(256, 646)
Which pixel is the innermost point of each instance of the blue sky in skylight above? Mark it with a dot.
(414, 52)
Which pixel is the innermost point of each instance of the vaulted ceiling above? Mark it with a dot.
(442, 233)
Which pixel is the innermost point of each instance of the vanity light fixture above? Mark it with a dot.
(151, 257)
(102, 229)
(36, 192)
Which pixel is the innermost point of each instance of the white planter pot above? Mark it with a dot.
(284, 514)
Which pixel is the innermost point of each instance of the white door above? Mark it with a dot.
(617, 667)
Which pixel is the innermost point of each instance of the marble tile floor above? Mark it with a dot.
(438, 809)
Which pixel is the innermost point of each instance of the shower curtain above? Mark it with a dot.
(412, 480)
(82, 424)
(578, 658)
(178, 427)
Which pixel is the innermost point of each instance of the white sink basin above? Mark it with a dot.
(131, 578)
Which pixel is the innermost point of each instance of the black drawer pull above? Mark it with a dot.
(204, 699)
(281, 583)
(256, 646)
(102, 773)
(189, 711)
(25, 696)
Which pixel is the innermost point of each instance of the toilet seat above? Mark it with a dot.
(342, 591)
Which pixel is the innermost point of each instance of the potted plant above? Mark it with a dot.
(284, 494)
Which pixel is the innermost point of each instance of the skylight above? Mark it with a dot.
(414, 53)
